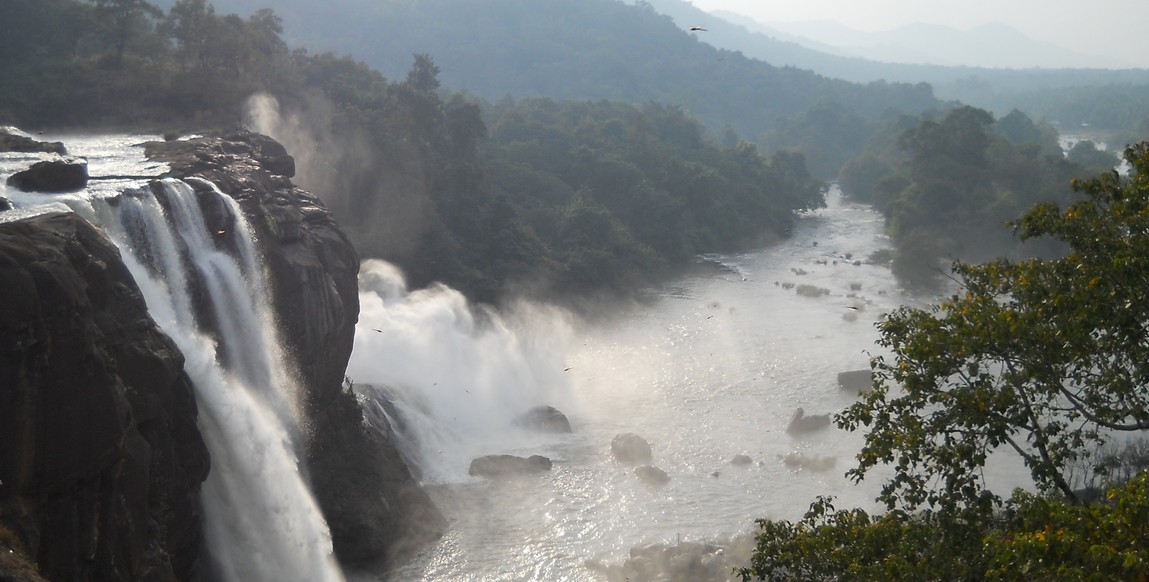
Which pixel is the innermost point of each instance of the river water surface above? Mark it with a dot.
(713, 366)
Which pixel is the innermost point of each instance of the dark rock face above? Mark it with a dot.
(631, 449)
(313, 267)
(62, 175)
(14, 142)
(377, 513)
(102, 461)
(506, 465)
(544, 419)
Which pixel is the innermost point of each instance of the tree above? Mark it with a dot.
(1044, 357)
(123, 20)
(1047, 358)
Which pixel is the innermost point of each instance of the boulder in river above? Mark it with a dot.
(59, 175)
(741, 461)
(801, 423)
(544, 419)
(651, 475)
(631, 449)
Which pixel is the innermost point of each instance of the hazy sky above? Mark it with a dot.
(1114, 28)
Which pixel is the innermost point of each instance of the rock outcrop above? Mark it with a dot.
(101, 461)
(58, 175)
(14, 140)
(377, 513)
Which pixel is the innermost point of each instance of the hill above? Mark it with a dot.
(1099, 98)
(587, 50)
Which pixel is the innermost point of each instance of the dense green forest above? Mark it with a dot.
(948, 183)
(600, 49)
(536, 196)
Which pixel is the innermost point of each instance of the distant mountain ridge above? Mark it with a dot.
(987, 46)
(585, 50)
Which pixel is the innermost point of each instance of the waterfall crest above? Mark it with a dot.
(261, 520)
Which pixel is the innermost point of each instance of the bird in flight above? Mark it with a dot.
(698, 28)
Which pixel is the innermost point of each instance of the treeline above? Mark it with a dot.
(948, 183)
(538, 195)
(603, 49)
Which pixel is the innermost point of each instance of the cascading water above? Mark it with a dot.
(261, 520)
(458, 378)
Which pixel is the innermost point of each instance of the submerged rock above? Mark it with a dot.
(741, 461)
(651, 475)
(801, 423)
(631, 449)
(809, 462)
(544, 419)
(506, 465)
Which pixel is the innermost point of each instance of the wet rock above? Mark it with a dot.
(506, 465)
(102, 460)
(809, 462)
(544, 419)
(5, 204)
(801, 423)
(651, 475)
(377, 513)
(14, 140)
(52, 176)
(741, 461)
(631, 449)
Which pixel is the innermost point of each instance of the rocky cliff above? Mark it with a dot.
(100, 457)
(376, 511)
(101, 460)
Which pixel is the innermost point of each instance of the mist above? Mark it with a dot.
(458, 373)
(376, 208)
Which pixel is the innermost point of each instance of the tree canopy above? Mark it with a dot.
(947, 183)
(1043, 359)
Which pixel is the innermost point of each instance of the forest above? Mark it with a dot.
(948, 184)
(583, 196)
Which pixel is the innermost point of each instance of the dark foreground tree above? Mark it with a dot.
(1046, 359)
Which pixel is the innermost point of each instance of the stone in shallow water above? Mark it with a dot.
(651, 475)
(52, 176)
(631, 449)
(544, 419)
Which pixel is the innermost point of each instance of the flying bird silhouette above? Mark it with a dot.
(698, 28)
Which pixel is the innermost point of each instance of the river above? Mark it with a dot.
(711, 366)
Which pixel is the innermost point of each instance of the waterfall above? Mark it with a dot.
(261, 520)
(457, 375)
